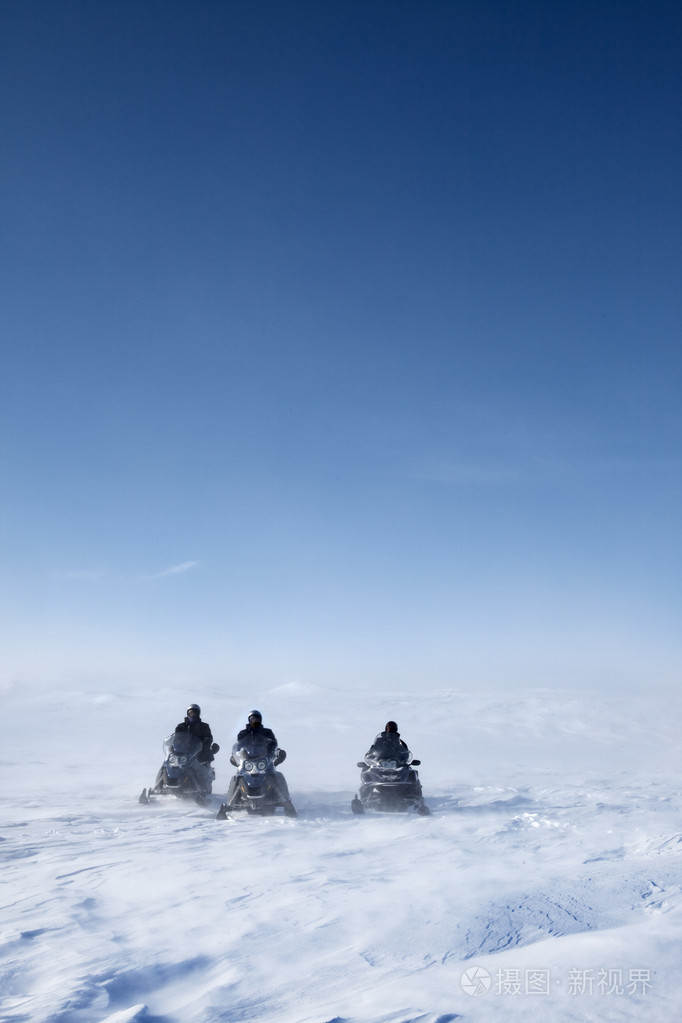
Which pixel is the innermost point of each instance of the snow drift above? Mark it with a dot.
(545, 885)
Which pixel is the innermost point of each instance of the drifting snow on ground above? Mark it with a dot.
(545, 885)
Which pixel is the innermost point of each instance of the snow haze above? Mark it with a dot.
(550, 866)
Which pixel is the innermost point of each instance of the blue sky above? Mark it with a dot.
(341, 342)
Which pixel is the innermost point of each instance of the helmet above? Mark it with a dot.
(257, 715)
(195, 709)
(391, 726)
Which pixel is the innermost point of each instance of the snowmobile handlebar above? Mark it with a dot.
(411, 763)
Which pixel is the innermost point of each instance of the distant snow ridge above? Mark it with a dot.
(299, 689)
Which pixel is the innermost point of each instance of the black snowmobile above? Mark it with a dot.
(182, 773)
(257, 787)
(388, 781)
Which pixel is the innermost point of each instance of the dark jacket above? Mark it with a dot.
(259, 733)
(202, 730)
(387, 744)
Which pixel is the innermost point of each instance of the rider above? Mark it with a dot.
(202, 730)
(254, 729)
(387, 743)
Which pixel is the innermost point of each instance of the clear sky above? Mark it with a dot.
(341, 341)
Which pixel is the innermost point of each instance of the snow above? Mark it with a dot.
(544, 886)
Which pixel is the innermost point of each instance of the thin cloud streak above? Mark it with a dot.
(184, 566)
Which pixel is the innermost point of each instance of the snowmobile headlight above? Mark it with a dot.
(261, 765)
(248, 765)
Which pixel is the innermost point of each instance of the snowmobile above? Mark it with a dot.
(257, 787)
(388, 781)
(182, 773)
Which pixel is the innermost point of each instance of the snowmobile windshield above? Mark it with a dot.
(388, 747)
(254, 747)
(183, 744)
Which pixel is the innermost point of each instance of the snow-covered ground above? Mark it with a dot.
(545, 885)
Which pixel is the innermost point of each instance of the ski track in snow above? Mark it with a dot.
(113, 912)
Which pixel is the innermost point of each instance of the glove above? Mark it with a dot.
(281, 757)
(215, 748)
(233, 761)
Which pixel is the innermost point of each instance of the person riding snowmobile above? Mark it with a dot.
(201, 729)
(256, 730)
(388, 779)
(188, 753)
